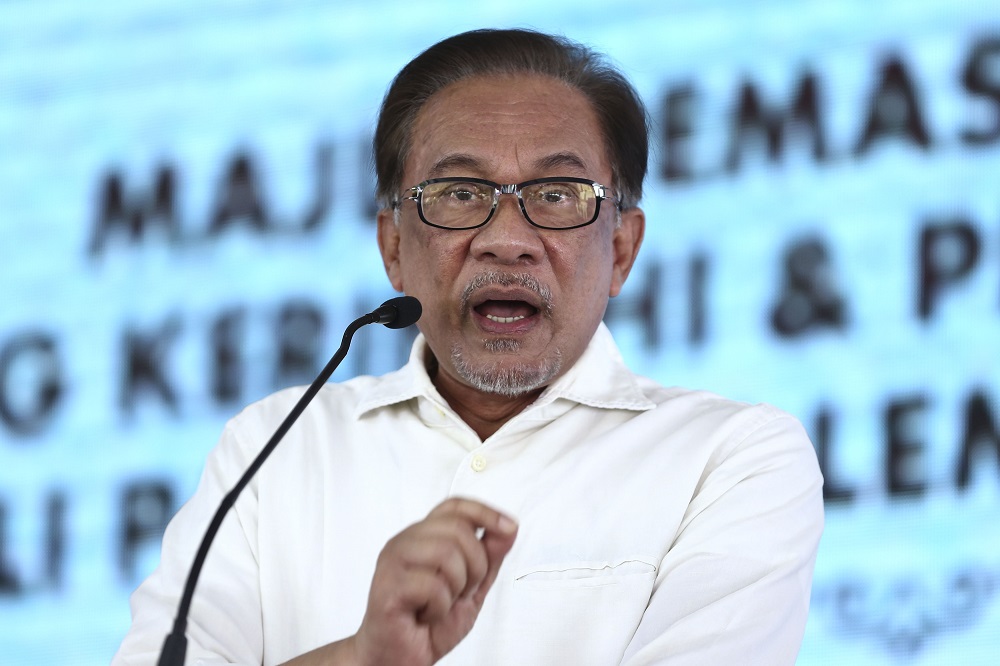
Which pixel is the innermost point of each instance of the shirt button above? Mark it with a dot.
(478, 462)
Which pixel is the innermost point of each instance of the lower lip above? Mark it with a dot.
(518, 327)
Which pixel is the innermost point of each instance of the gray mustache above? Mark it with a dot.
(496, 278)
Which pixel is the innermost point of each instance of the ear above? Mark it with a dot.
(388, 246)
(627, 239)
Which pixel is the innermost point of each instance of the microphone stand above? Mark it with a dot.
(406, 309)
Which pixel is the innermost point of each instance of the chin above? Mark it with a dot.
(505, 374)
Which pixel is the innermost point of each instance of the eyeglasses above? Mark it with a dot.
(468, 203)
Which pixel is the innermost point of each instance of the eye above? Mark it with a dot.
(463, 192)
(456, 194)
(556, 194)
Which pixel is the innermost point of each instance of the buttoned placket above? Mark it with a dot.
(475, 471)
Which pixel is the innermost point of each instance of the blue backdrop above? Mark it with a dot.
(186, 224)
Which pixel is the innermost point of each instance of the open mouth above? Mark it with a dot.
(505, 311)
(506, 304)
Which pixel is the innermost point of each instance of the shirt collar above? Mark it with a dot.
(599, 379)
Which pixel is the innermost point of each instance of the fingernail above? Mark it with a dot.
(506, 525)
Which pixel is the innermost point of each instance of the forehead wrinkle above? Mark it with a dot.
(455, 120)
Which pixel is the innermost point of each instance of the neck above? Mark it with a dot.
(485, 413)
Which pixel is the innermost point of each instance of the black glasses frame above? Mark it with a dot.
(416, 193)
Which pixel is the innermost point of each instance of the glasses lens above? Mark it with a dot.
(457, 204)
(559, 205)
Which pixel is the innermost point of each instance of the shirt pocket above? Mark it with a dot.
(581, 612)
(586, 574)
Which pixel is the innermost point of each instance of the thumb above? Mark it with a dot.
(497, 541)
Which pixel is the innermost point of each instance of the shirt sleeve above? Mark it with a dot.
(734, 586)
(224, 626)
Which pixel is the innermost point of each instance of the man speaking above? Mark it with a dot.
(514, 494)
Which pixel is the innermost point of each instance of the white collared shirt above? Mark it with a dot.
(657, 525)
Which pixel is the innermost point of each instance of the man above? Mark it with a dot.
(513, 495)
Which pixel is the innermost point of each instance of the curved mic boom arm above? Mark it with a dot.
(397, 312)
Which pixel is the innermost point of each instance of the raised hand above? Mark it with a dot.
(430, 583)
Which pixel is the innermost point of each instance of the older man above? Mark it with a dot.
(513, 495)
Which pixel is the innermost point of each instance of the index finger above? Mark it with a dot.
(477, 513)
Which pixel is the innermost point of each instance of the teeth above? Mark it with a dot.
(504, 320)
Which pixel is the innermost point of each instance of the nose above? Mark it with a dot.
(508, 238)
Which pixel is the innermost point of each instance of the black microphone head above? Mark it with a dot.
(408, 310)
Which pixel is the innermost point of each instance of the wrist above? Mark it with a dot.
(339, 653)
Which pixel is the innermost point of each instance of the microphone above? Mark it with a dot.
(398, 312)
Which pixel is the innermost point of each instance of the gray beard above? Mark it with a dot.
(511, 381)
(493, 376)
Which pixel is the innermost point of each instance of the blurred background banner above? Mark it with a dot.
(186, 224)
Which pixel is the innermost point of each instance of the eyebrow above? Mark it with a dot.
(476, 166)
(457, 162)
(557, 160)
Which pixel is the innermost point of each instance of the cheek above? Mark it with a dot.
(430, 265)
(587, 268)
